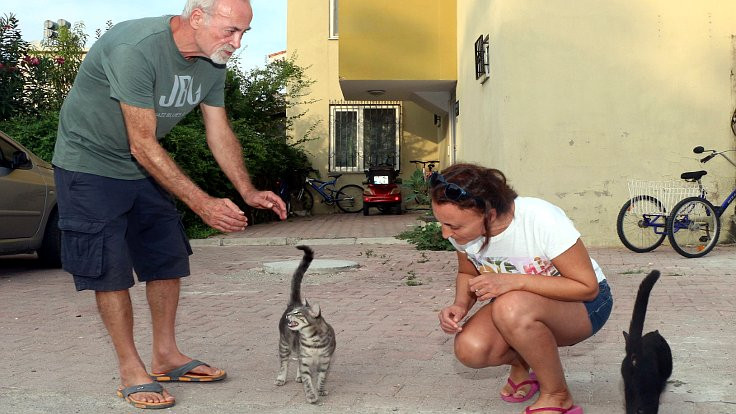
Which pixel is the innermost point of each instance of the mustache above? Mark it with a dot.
(227, 48)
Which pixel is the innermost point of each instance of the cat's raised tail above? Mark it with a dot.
(640, 310)
(296, 280)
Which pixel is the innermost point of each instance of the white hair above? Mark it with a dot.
(205, 5)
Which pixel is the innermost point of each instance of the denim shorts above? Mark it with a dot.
(599, 309)
(110, 227)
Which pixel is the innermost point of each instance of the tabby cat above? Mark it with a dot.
(648, 361)
(305, 333)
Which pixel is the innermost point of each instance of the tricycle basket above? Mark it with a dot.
(668, 193)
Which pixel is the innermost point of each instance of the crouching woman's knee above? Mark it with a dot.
(473, 352)
(511, 311)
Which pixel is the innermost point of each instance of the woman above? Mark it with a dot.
(524, 259)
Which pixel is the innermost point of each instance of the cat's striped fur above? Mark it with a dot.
(304, 332)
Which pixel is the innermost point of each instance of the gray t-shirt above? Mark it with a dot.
(135, 62)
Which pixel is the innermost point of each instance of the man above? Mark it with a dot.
(114, 179)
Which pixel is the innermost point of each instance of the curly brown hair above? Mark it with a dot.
(488, 185)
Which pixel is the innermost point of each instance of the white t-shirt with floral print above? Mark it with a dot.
(539, 232)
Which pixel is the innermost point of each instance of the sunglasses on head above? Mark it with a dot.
(453, 191)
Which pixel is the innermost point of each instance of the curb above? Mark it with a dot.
(292, 241)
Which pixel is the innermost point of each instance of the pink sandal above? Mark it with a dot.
(574, 409)
(515, 387)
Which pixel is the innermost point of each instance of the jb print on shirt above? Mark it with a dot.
(181, 93)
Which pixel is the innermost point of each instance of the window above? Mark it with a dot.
(482, 59)
(7, 150)
(364, 134)
(333, 19)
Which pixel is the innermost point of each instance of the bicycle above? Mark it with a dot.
(692, 225)
(427, 167)
(348, 198)
(284, 187)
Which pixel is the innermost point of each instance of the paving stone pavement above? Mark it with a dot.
(391, 355)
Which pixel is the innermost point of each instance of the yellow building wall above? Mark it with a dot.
(307, 38)
(584, 96)
(378, 43)
(420, 138)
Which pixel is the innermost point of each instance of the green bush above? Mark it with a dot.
(35, 132)
(427, 237)
(418, 188)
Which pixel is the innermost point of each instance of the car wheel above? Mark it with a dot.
(50, 252)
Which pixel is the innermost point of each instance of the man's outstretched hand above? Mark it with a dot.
(222, 214)
(267, 200)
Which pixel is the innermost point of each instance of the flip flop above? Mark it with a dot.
(183, 374)
(515, 387)
(573, 409)
(124, 393)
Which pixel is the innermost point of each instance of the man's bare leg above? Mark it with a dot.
(163, 299)
(116, 311)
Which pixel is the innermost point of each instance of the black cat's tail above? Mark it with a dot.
(296, 279)
(640, 308)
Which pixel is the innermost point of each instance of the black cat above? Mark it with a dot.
(648, 361)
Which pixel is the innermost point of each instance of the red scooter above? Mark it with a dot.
(383, 190)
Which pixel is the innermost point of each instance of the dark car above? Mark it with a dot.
(28, 214)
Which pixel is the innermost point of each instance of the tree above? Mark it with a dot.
(33, 81)
(12, 50)
(67, 51)
(262, 96)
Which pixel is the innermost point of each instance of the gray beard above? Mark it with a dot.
(219, 57)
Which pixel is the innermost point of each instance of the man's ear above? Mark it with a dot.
(197, 18)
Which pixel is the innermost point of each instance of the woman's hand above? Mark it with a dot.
(490, 285)
(450, 317)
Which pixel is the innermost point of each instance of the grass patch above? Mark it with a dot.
(200, 231)
(427, 237)
(411, 279)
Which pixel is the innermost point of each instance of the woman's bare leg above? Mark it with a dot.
(480, 345)
(534, 326)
